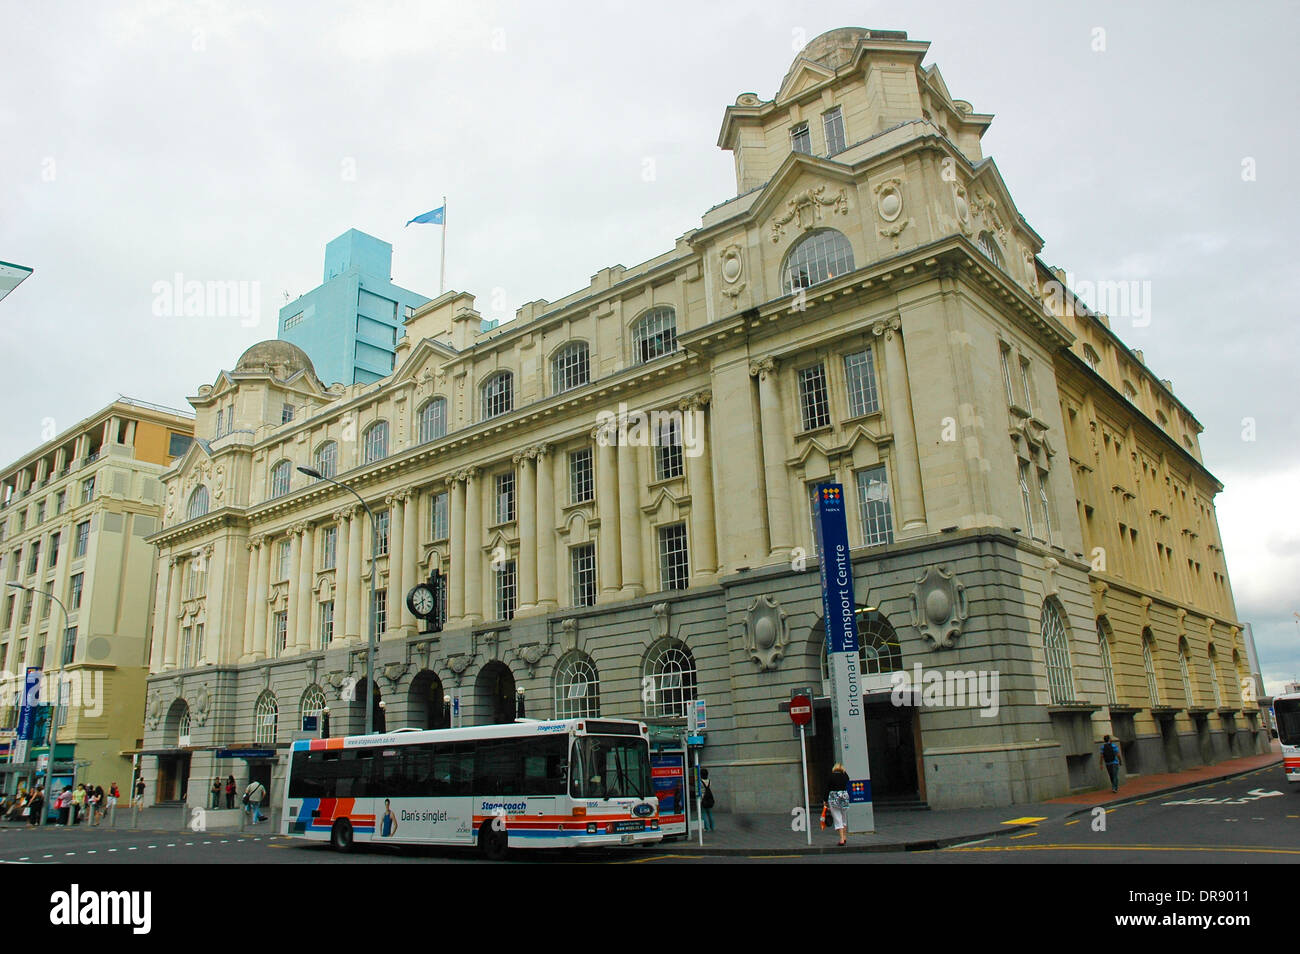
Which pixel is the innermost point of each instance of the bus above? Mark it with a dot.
(1286, 712)
(572, 783)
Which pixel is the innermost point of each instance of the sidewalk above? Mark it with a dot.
(925, 830)
(168, 818)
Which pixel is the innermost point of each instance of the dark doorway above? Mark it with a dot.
(495, 693)
(893, 747)
(261, 772)
(173, 777)
(359, 709)
(425, 702)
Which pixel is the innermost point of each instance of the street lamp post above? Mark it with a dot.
(54, 716)
(374, 554)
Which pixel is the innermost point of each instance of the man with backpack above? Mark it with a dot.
(253, 796)
(1110, 758)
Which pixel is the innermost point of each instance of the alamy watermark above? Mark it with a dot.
(1130, 300)
(182, 298)
(79, 690)
(673, 427)
(947, 688)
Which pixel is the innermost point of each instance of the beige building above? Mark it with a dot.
(616, 488)
(74, 517)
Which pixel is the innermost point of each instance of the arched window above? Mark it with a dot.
(570, 368)
(312, 705)
(1107, 670)
(1130, 392)
(654, 334)
(433, 420)
(816, 258)
(1185, 671)
(670, 678)
(1214, 678)
(183, 732)
(198, 503)
(327, 459)
(280, 478)
(1090, 355)
(1149, 664)
(498, 395)
(1056, 647)
(577, 688)
(879, 652)
(375, 445)
(265, 716)
(989, 246)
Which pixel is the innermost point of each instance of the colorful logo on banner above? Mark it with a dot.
(31, 698)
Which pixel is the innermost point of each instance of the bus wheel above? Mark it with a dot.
(493, 842)
(341, 835)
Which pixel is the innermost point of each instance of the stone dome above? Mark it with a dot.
(279, 357)
(834, 48)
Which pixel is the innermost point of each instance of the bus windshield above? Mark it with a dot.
(610, 767)
(1287, 712)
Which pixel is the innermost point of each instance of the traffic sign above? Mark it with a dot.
(801, 710)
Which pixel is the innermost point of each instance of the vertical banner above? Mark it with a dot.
(30, 700)
(839, 609)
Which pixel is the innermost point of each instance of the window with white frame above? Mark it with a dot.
(989, 246)
(433, 420)
(75, 591)
(505, 497)
(326, 631)
(674, 562)
(439, 516)
(1004, 355)
(498, 395)
(183, 727)
(582, 479)
(833, 126)
(286, 413)
(582, 560)
(1107, 669)
(265, 716)
(1185, 671)
(83, 539)
(279, 633)
(577, 687)
(1056, 649)
(87, 490)
(198, 506)
(327, 459)
(860, 378)
(814, 399)
(817, 257)
(380, 609)
(312, 706)
(801, 139)
(1026, 384)
(874, 507)
(1214, 678)
(69, 645)
(1149, 665)
(570, 368)
(1044, 503)
(381, 532)
(654, 334)
(282, 561)
(280, 478)
(670, 677)
(1026, 496)
(506, 590)
(1090, 355)
(376, 442)
(329, 543)
(669, 463)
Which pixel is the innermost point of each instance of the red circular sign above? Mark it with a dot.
(800, 710)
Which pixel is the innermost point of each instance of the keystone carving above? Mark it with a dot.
(939, 607)
(767, 631)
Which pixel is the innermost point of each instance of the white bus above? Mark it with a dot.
(1286, 712)
(560, 784)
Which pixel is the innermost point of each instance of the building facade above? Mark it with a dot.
(617, 489)
(349, 325)
(74, 517)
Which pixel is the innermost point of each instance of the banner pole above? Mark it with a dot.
(442, 270)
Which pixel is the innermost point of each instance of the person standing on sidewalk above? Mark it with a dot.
(36, 808)
(837, 799)
(706, 800)
(78, 802)
(1110, 758)
(111, 803)
(230, 791)
(255, 792)
(138, 802)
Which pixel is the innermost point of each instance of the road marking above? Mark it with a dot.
(1225, 848)
(772, 856)
(24, 859)
(47, 856)
(978, 841)
(1027, 820)
(1075, 822)
(133, 848)
(641, 861)
(1028, 834)
(112, 849)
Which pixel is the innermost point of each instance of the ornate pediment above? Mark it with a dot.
(807, 209)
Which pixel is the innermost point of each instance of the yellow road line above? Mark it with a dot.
(641, 861)
(1228, 849)
(1075, 822)
(1028, 820)
(1028, 834)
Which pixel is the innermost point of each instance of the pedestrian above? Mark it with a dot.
(253, 796)
(111, 803)
(35, 807)
(837, 800)
(138, 802)
(93, 795)
(1110, 758)
(78, 802)
(706, 800)
(64, 804)
(230, 791)
(216, 791)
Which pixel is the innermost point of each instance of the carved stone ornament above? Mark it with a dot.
(889, 206)
(458, 665)
(154, 713)
(1050, 585)
(961, 206)
(733, 270)
(807, 206)
(533, 653)
(393, 672)
(202, 706)
(659, 623)
(939, 607)
(569, 634)
(767, 631)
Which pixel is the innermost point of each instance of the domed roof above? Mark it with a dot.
(832, 49)
(278, 357)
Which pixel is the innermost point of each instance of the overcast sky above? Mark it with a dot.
(230, 142)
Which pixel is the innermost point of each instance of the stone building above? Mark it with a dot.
(616, 488)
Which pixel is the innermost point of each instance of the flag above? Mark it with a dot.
(435, 217)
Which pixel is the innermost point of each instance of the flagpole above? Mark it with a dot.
(442, 270)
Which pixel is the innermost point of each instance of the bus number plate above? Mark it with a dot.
(629, 826)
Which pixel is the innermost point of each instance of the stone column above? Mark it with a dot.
(526, 501)
(342, 566)
(301, 640)
(699, 476)
(215, 555)
(608, 548)
(295, 592)
(780, 528)
(410, 558)
(473, 557)
(629, 520)
(173, 612)
(158, 642)
(356, 608)
(911, 505)
(396, 543)
(254, 546)
(456, 575)
(546, 566)
(260, 600)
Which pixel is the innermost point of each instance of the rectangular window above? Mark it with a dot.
(1005, 357)
(814, 403)
(187, 647)
(873, 506)
(1043, 503)
(833, 124)
(60, 502)
(54, 549)
(327, 459)
(1024, 383)
(440, 516)
(381, 611)
(282, 563)
(800, 139)
(668, 451)
(582, 481)
(860, 377)
(87, 490)
(505, 489)
(280, 633)
(34, 557)
(381, 532)
(83, 539)
(27, 615)
(198, 645)
(506, 582)
(286, 413)
(74, 597)
(674, 568)
(45, 607)
(329, 540)
(1026, 498)
(583, 561)
(69, 645)
(40, 512)
(326, 623)
(9, 616)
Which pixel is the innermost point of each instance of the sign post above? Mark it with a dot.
(801, 714)
(840, 612)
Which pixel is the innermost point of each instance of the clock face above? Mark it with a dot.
(421, 601)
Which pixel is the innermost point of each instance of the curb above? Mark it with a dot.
(1181, 787)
